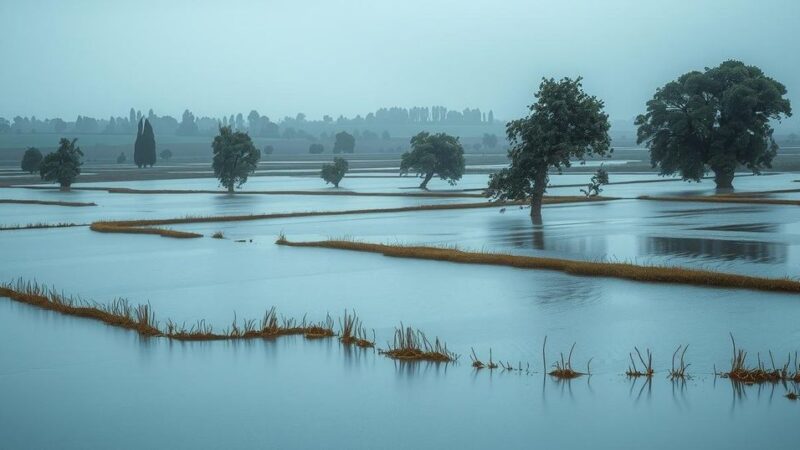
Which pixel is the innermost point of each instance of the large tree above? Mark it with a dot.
(564, 123)
(434, 154)
(333, 173)
(345, 143)
(31, 160)
(235, 157)
(717, 119)
(63, 165)
(148, 144)
(138, 149)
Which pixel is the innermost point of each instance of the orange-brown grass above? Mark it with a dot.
(144, 226)
(118, 313)
(352, 332)
(722, 199)
(412, 345)
(742, 373)
(562, 369)
(660, 274)
(647, 366)
(142, 319)
(476, 363)
(40, 225)
(116, 227)
(679, 371)
(45, 202)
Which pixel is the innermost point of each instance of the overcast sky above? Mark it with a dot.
(98, 58)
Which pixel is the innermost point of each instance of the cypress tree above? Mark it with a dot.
(138, 156)
(148, 144)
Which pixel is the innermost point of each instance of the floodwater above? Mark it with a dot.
(70, 383)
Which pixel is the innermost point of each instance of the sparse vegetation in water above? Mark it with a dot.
(742, 373)
(562, 368)
(40, 225)
(678, 372)
(412, 345)
(218, 235)
(352, 332)
(661, 274)
(647, 366)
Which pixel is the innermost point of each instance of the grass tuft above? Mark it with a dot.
(679, 372)
(742, 373)
(352, 332)
(412, 345)
(647, 366)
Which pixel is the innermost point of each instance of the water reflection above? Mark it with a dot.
(645, 389)
(729, 250)
(413, 369)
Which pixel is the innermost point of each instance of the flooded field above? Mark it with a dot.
(68, 372)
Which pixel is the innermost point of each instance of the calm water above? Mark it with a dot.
(69, 383)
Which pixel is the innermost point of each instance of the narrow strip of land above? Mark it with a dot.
(660, 274)
(146, 226)
(44, 202)
(38, 226)
(722, 199)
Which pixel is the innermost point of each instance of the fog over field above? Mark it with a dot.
(350, 57)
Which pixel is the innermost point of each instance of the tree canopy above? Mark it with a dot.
(333, 173)
(316, 149)
(144, 148)
(563, 124)
(31, 160)
(434, 154)
(63, 165)
(489, 140)
(716, 119)
(166, 154)
(345, 143)
(235, 157)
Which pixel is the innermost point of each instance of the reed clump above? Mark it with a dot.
(124, 227)
(742, 373)
(562, 368)
(678, 372)
(659, 274)
(412, 345)
(218, 235)
(352, 332)
(647, 366)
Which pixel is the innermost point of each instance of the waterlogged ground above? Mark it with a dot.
(70, 383)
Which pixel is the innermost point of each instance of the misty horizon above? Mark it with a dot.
(349, 58)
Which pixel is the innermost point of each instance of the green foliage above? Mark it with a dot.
(716, 119)
(166, 154)
(138, 152)
(235, 157)
(31, 160)
(121, 158)
(333, 173)
(565, 123)
(63, 165)
(489, 140)
(434, 154)
(599, 179)
(316, 149)
(345, 143)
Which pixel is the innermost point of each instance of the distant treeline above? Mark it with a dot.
(373, 126)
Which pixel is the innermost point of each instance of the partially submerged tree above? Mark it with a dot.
(235, 157)
(594, 188)
(63, 165)
(434, 154)
(345, 143)
(716, 119)
(333, 173)
(565, 123)
(31, 160)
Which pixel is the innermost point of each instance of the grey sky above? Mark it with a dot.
(63, 58)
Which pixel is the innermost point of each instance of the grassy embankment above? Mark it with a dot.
(661, 274)
(724, 198)
(149, 226)
(44, 202)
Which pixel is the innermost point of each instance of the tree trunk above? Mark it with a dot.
(64, 187)
(723, 177)
(539, 186)
(424, 184)
(230, 189)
